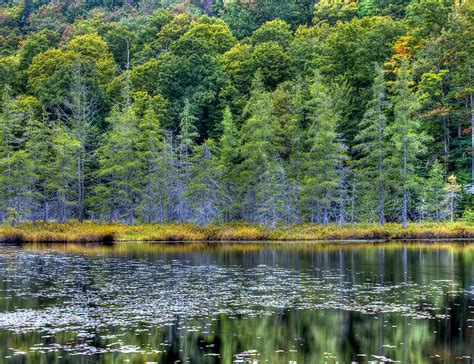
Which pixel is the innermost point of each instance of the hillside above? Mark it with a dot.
(262, 111)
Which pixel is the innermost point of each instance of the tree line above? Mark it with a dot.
(153, 112)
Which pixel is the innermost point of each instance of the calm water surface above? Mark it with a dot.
(237, 303)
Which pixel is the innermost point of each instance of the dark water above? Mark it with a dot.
(242, 303)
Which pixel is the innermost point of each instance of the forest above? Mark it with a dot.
(264, 111)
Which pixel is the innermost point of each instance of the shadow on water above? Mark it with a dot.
(237, 302)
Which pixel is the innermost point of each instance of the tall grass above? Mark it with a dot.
(101, 232)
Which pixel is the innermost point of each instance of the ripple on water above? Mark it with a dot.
(74, 293)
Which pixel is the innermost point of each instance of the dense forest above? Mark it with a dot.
(272, 112)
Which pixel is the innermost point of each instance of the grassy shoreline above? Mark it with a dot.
(88, 232)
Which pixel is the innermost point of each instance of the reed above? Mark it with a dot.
(11, 236)
(94, 232)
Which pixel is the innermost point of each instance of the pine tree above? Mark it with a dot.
(81, 107)
(371, 146)
(16, 179)
(38, 145)
(323, 160)
(406, 141)
(187, 142)
(288, 100)
(433, 194)
(120, 184)
(229, 160)
(262, 197)
(272, 194)
(152, 145)
(64, 167)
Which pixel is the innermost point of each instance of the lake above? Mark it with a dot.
(237, 303)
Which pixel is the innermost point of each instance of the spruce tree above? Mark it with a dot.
(371, 147)
(323, 160)
(65, 149)
(433, 194)
(452, 190)
(80, 111)
(38, 145)
(186, 143)
(406, 142)
(118, 192)
(262, 197)
(16, 178)
(229, 160)
(152, 148)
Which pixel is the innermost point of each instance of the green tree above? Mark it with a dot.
(276, 31)
(39, 146)
(150, 112)
(332, 11)
(433, 194)
(371, 148)
(229, 160)
(323, 161)
(15, 168)
(240, 20)
(406, 141)
(262, 181)
(65, 149)
(118, 157)
(274, 64)
(81, 109)
(187, 142)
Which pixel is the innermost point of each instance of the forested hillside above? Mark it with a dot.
(266, 111)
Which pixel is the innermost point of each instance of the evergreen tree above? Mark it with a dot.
(119, 168)
(187, 142)
(152, 149)
(323, 160)
(64, 167)
(262, 197)
(452, 190)
(371, 147)
(16, 180)
(433, 194)
(406, 142)
(229, 159)
(38, 145)
(81, 107)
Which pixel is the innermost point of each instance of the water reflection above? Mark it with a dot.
(223, 303)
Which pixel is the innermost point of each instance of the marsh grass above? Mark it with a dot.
(11, 236)
(94, 232)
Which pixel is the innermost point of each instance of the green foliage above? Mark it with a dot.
(433, 194)
(276, 31)
(371, 147)
(264, 110)
(240, 20)
(406, 141)
(119, 165)
(324, 157)
(272, 62)
(332, 11)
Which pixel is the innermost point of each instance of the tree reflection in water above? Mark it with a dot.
(219, 303)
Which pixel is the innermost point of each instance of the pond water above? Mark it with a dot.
(237, 303)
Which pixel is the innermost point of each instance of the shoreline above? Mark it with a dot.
(94, 232)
